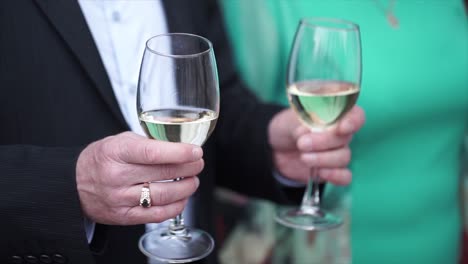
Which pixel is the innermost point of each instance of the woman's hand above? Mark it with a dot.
(296, 149)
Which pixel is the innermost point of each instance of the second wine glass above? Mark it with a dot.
(178, 101)
(323, 84)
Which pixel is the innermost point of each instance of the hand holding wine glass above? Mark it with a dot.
(296, 149)
(109, 173)
(323, 84)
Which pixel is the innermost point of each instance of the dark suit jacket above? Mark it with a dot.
(56, 98)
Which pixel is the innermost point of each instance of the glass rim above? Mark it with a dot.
(316, 22)
(207, 41)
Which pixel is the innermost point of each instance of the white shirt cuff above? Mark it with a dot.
(286, 181)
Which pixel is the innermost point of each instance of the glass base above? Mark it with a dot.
(187, 246)
(315, 219)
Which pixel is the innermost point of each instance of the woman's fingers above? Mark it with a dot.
(351, 122)
(335, 158)
(341, 176)
(321, 141)
(333, 137)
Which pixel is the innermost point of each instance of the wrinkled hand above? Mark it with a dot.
(296, 150)
(110, 173)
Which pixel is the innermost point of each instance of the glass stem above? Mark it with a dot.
(177, 226)
(311, 200)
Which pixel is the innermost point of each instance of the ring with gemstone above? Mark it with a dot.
(145, 198)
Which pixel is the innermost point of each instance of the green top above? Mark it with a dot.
(406, 165)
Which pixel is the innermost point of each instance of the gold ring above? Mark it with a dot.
(145, 197)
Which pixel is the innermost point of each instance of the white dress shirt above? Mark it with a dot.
(120, 30)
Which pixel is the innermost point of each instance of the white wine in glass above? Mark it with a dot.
(178, 101)
(323, 84)
(320, 104)
(186, 125)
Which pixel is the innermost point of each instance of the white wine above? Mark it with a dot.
(320, 104)
(186, 125)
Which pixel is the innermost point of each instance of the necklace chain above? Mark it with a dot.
(389, 13)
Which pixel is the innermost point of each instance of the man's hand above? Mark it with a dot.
(296, 150)
(110, 174)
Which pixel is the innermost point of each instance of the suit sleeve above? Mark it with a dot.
(39, 207)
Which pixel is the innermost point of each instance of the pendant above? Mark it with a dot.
(392, 20)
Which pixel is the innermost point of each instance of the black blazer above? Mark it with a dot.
(56, 98)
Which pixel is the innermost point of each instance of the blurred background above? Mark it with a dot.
(397, 57)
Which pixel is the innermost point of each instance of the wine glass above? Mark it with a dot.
(178, 101)
(323, 83)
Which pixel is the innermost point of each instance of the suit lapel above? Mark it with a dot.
(178, 16)
(69, 22)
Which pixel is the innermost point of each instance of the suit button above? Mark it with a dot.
(45, 259)
(15, 260)
(58, 258)
(31, 259)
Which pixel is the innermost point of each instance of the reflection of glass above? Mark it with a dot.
(178, 101)
(323, 83)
